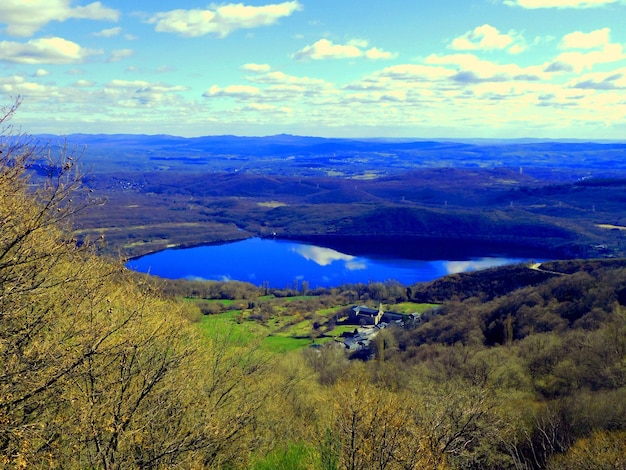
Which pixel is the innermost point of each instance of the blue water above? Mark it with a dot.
(282, 264)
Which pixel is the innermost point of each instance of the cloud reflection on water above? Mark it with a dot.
(327, 256)
(454, 267)
(356, 265)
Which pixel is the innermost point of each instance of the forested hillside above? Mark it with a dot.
(96, 370)
(101, 369)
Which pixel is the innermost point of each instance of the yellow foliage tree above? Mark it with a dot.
(96, 370)
(374, 428)
(603, 450)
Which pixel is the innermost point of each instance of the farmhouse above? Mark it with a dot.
(369, 321)
(362, 337)
(362, 315)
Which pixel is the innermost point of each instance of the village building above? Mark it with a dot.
(363, 315)
(369, 322)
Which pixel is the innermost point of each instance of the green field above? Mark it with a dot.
(412, 307)
(286, 330)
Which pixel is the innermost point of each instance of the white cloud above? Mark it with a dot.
(374, 97)
(17, 85)
(517, 48)
(614, 80)
(489, 97)
(391, 96)
(532, 4)
(413, 72)
(453, 267)
(471, 69)
(322, 256)
(260, 107)
(221, 20)
(360, 43)
(140, 94)
(24, 18)
(108, 33)
(235, 91)
(487, 38)
(142, 86)
(120, 54)
(282, 91)
(326, 49)
(41, 73)
(280, 78)
(267, 108)
(356, 265)
(256, 68)
(94, 11)
(378, 54)
(577, 61)
(44, 51)
(580, 40)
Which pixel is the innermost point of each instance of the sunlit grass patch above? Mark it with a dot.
(137, 227)
(297, 297)
(271, 204)
(611, 226)
(367, 176)
(339, 330)
(300, 329)
(296, 457)
(285, 330)
(226, 324)
(225, 302)
(330, 311)
(411, 307)
(324, 340)
(281, 344)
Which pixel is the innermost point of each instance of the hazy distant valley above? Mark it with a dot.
(565, 199)
(291, 155)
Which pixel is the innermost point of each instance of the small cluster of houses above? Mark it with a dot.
(369, 322)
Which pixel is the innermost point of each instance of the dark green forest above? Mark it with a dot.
(521, 367)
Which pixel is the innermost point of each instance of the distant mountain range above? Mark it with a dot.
(289, 154)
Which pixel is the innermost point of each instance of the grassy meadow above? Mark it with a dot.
(287, 327)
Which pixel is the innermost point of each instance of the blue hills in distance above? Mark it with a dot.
(285, 153)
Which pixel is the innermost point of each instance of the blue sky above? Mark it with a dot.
(349, 68)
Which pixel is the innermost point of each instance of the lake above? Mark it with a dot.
(280, 264)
